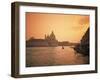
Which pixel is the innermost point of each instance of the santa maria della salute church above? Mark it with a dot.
(49, 40)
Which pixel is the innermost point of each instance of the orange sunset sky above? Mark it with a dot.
(66, 27)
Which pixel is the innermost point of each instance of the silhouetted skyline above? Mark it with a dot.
(66, 27)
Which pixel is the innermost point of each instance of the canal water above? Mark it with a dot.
(51, 56)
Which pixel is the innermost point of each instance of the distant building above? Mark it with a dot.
(36, 43)
(49, 40)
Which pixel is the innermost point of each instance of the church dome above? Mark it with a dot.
(52, 36)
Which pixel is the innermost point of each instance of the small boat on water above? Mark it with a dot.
(62, 47)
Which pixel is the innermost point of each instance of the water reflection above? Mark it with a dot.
(49, 56)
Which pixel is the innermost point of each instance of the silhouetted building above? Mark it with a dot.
(85, 38)
(50, 40)
(36, 43)
(83, 47)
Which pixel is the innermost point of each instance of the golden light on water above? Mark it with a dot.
(66, 27)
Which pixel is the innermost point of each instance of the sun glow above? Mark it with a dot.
(66, 27)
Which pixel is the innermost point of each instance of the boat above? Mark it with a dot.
(62, 47)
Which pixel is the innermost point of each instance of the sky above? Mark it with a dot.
(66, 27)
